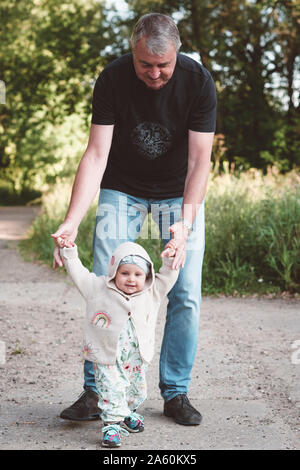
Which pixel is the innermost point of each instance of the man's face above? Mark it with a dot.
(154, 70)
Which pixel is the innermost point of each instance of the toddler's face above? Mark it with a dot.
(130, 278)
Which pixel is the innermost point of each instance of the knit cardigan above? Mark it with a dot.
(108, 308)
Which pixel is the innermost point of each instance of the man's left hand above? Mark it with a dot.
(179, 236)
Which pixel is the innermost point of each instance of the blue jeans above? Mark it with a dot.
(119, 219)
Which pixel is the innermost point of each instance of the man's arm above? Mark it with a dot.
(87, 182)
(199, 163)
(199, 157)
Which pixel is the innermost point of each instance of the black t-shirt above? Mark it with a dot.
(149, 152)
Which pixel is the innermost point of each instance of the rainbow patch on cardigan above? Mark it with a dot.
(101, 319)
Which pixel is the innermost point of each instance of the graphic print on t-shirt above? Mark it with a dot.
(151, 139)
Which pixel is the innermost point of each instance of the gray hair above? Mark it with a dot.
(159, 30)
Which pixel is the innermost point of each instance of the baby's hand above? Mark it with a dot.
(169, 252)
(64, 243)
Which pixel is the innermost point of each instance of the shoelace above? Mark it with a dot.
(137, 417)
(83, 393)
(115, 428)
(184, 399)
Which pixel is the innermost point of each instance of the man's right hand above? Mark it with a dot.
(66, 230)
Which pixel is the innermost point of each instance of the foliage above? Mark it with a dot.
(252, 50)
(252, 233)
(11, 198)
(49, 55)
(39, 245)
(51, 51)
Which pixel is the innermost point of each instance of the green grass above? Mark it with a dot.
(39, 245)
(252, 233)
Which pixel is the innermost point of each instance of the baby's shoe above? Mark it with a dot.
(112, 435)
(133, 423)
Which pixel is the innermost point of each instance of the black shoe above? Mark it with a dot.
(84, 409)
(182, 411)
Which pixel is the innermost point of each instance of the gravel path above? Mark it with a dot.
(245, 380)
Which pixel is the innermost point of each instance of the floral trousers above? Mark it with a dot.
(122, 387)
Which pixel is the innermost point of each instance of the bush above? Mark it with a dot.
(39, 245)
(252, 233)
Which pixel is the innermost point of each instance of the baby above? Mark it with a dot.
(119, 329)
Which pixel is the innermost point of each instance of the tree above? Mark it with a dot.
(246, 45)
(49, 57)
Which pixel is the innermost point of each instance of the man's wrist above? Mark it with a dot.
(186, 224)
(72, 220)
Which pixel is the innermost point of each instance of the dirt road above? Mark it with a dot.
(245, 380)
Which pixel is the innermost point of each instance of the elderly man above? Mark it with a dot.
(153, 123)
